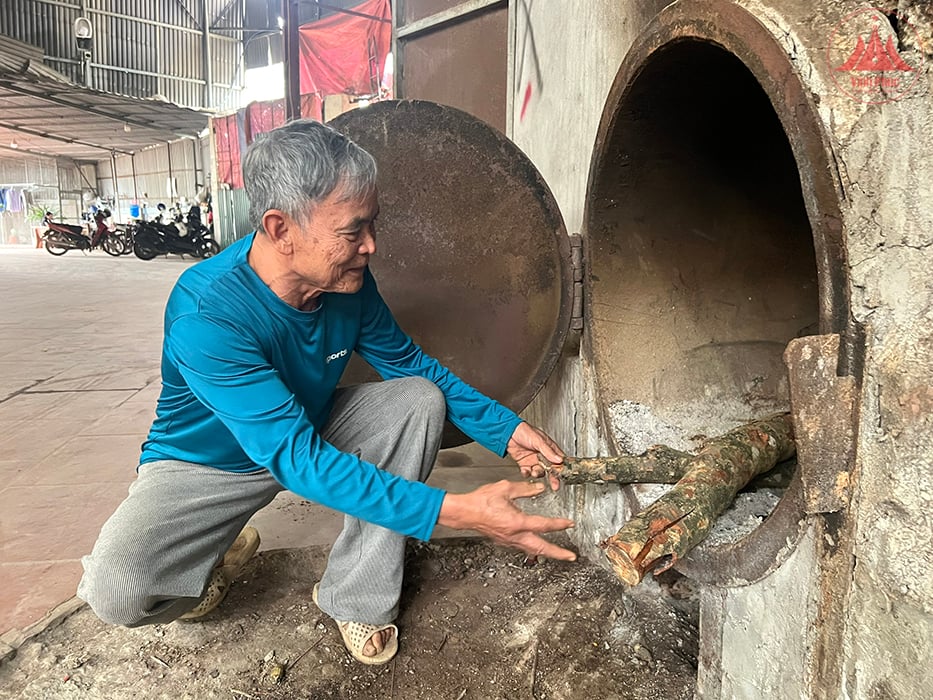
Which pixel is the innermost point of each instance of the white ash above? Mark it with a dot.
(746, 513)
(706, 418)
(635, 428)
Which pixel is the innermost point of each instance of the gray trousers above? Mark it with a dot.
(155, 554)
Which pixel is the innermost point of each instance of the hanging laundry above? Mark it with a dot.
(16, 203)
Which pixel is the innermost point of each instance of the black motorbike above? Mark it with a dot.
(180, 236)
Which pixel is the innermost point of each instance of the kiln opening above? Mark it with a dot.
(701, 255)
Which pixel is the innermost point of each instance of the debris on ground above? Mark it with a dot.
(475, 624)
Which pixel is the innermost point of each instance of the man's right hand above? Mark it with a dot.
(490, 511)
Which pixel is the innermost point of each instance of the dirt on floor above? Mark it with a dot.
(475, 624)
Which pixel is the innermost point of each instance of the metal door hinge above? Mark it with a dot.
(576, 262)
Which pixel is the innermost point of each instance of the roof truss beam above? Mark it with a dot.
(61, 139)
(126, 119)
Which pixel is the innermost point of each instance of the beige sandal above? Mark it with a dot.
(356, 634)
(240, 552)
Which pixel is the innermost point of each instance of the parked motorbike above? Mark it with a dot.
(127, 232)
(181, 236)
(59, 238)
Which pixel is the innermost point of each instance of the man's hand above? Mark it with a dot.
(490, 511)
(526, 443)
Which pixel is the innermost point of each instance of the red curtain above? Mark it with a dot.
(227, 142)
(264, 116)
(339, 54)
(346, 53)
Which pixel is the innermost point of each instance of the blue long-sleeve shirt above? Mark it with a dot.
(248, 382)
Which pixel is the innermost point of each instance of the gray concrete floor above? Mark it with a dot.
(80, 340)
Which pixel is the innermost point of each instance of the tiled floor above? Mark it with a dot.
(79, 376)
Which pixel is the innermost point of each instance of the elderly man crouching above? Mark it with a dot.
(255, 342)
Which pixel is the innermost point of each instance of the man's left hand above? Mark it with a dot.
(525, 446)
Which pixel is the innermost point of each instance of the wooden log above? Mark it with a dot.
(658, 464)
(655, 538)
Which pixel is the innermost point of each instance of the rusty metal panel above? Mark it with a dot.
(413, 10)
(464, 65)
(473, 258)
(823, 405)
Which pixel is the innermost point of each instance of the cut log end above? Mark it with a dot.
(622, 564)
(631, 567)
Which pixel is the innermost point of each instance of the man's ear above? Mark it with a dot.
(279, 228)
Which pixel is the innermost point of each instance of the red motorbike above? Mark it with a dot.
(60, 238)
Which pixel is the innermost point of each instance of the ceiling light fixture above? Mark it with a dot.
(13, 144)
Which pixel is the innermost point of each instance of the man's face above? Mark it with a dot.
(332, 250)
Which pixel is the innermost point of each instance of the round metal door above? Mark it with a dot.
(473, 257)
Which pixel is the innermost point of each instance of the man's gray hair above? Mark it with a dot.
(298, 165)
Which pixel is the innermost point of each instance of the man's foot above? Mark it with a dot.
(240, 552)
(368, 644)
(375, 643)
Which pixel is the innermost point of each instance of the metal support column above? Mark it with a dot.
(208, 99)
(199, 181)
(172, 192)
(292, 58)
(510, 71)
(397, 62)
(58, 184)
(85, 57)
(116, 186)
(135, 184)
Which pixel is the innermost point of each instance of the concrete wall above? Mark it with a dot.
(885, 154)
(759, 635)
(851, 613)
(569, 54)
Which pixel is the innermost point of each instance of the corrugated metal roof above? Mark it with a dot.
(42, 112)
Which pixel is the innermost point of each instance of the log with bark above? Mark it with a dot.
(658, 464)
(706, 485)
